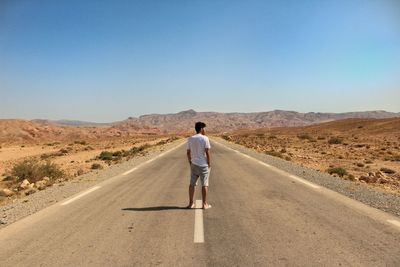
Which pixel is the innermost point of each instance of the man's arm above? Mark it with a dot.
(189, 156)
(208, 157)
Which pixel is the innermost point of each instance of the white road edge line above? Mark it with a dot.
(80, 195)
(198, 223)
(131, 170)
(394, 222)
(294, 177)
(303, 181)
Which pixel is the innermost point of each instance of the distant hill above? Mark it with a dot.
(17, 131)
(217, 122)
(24, 131)
(72, 122)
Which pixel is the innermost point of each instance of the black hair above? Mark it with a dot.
(199, 125)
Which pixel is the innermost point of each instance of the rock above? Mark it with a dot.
(40, 185)
(46, 179)
(6, 192)
(24, 185)
(3, 222)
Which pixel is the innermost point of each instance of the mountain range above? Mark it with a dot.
(217, 121)
(181, 122)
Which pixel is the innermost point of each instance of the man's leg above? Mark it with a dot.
(191, 195)
(204, 191)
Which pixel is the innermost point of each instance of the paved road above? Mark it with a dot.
(259, 217)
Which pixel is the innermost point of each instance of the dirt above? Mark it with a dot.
(368, 150)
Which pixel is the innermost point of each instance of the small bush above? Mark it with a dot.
(117, 154)
(304, 136)
(387, 170)
(135, 150)
(106, 155)
(63, 151)
(226, 137)
(33, 171)
(144, 147)
(96, 166)
(339, 171)
(335, 141)
(162, 142)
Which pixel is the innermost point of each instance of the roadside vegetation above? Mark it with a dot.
(35, 173)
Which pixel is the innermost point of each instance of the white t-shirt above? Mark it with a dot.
(197, 145)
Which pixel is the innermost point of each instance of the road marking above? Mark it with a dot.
(198, 222)
(125, 173)
(128, 172)
(274, 168)
(395, 222)
(80, 195)
(304, 181)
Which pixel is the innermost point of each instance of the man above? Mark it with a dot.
(198, 154)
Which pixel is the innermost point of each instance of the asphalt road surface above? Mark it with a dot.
(260, 217)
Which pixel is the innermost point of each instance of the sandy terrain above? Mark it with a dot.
(74, 158)
(367, 149)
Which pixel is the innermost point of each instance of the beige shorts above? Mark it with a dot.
(199, 171)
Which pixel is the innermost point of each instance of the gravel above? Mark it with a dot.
(372, 196)
(18, 208)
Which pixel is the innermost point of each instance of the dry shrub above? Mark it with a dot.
(339, 171)
(96, 166)
(33, 170)
(335, 141)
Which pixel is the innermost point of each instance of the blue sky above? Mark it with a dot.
(107, 60)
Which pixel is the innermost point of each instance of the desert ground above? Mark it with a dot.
(361, 150)
(34, 156)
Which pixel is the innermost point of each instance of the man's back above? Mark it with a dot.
(197, 145)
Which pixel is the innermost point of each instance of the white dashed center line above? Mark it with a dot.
(198, 223)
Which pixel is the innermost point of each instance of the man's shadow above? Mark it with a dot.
(157, 208)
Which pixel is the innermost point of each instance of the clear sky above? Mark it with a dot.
(107, 60)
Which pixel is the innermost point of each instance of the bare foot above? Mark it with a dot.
(206, 206)
(190, 206)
